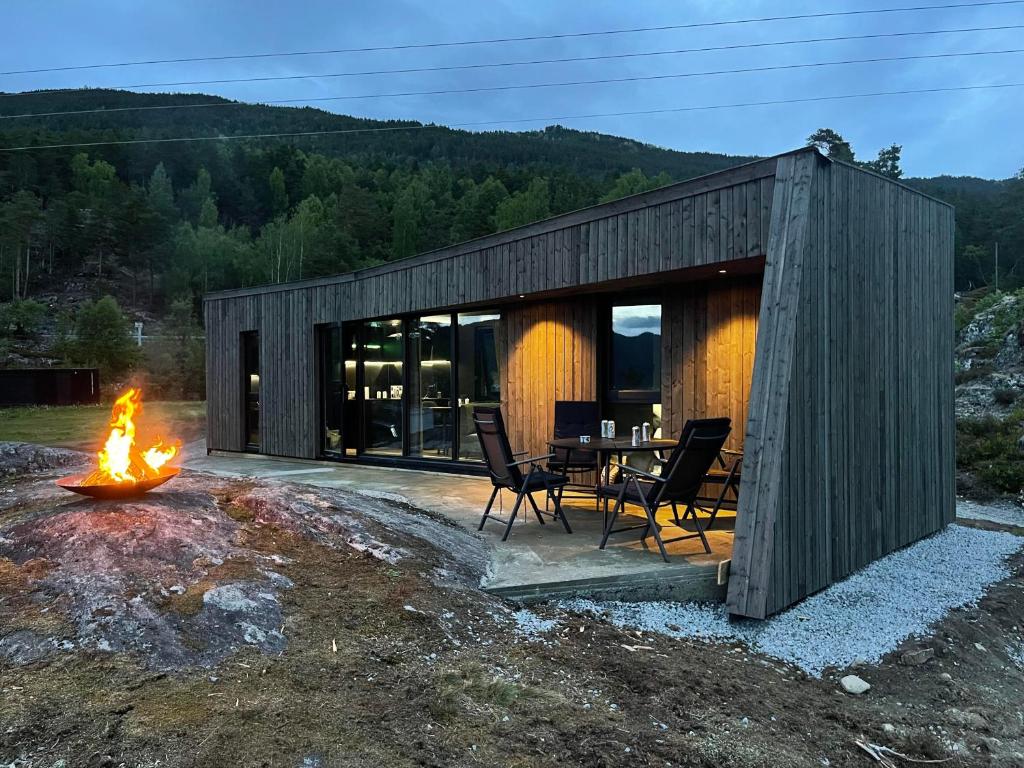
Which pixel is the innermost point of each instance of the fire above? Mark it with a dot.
(121, 460)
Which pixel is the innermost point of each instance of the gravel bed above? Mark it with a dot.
(1002, 512)
(860, 619)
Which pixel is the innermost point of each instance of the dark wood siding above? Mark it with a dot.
(693, 224)
(850, 451)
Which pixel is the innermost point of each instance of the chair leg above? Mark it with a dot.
(696, 524)
(512, 516)
(559, 512)
(718, 503)
(536, 509)
(609, 522)
(675, 514)
(487, 511)
(653, 530)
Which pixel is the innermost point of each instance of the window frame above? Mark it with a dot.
(611, 393)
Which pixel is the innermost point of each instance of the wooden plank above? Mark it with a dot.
(755, 520)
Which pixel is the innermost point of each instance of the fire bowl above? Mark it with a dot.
(73, 483)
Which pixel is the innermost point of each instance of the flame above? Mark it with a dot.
(120, 460)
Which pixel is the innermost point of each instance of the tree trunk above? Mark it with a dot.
(17, 274)
(28, 257)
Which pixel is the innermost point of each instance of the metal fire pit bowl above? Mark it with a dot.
(115, 490)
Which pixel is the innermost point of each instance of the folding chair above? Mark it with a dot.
(572, 419)
(679, 484)
(506, 471)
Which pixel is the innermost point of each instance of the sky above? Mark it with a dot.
(963, 133)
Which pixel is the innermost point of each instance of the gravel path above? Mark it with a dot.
(862, 618)
(1002, 512)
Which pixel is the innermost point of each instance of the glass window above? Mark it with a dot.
(251, 388)
(332, 387)
(350, 409)
(430, 386)
(383, 415)
(635, 365)
(478, 375)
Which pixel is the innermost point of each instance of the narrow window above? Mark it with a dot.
(478, 375)
(250, 344)
(633, 393)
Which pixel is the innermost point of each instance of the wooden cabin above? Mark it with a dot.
(809, 300)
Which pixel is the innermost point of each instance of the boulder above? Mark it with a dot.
(917, 657)
(853, 684)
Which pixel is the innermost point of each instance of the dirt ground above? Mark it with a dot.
(388, 656)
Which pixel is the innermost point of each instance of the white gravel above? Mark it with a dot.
(861, 618)
(1002, 512)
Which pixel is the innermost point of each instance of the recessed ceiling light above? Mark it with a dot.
(522, 295)
(721, 271)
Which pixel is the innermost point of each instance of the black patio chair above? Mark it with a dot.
(572, 419)
(506, 471)
(727, 474)
(682, 476)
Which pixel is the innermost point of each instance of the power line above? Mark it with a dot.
(510, 121)
(199, 105)
(333, 75)
(526, 38)
(526, 86)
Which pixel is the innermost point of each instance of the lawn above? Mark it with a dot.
(84, 427)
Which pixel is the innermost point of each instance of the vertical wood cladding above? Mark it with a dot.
(864, 453)
(549, 354)
(708, 335)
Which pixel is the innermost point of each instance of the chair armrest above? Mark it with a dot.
(731, 452)
(531, 460)
(519, 453)
(635, 471)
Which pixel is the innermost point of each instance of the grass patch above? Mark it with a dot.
(83, 427)
(470, 691)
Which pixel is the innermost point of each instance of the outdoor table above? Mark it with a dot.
(605, 447)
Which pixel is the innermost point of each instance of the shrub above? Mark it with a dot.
(987, 449)
(1005, 396)
(102, 338)
(21, 318)
(175, 362)
(976, 371)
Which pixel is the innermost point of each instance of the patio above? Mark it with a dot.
(537, 562)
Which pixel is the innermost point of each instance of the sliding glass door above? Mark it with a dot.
(332, 390)
(430, 386)
(406, 387)
(479, 382)
(383, 355)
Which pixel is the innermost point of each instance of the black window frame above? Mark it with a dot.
(606, 363)
(354, 330)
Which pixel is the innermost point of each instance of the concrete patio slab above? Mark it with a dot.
(538, 561)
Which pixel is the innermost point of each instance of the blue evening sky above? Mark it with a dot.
(966, 133)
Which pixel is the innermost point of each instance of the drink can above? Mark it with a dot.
(645, 432)
(611, 429)
(636, 436)
(604, 428)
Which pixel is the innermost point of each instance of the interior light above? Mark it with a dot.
(721, 271)
(522, 295)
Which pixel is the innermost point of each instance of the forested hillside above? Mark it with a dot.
(184, 218)
(156, 225)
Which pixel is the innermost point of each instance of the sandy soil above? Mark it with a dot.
(130, 638)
